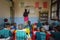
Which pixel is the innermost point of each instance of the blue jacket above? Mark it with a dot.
(14, 27)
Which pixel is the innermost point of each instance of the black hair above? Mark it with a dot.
(5, 20)
(57, 27)
(11, 24)
(43, 23)
(8, 24)
(25, 10)
(40, 29)
(14, 23)
(46, 23)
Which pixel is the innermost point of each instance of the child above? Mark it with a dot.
(27, 30)
(46, 26)
(8, 26)
(14, 26)
(40, 35)
(56, 34)
(5, 32)
(48, 35)
(39, 24)
(20, 34)
(34, 30)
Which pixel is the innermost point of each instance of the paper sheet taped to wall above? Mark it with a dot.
(36, 4)
(45, 4)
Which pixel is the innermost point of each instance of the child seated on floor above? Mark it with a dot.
(46, 26)
(48, 35)
(27, 30)
(5, 32)
(14, 26)
(41, 35)
(20, 34)
(33, 31)
(56, 34)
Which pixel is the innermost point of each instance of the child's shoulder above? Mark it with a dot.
(19, 31)
(42, 33)
(37, 33)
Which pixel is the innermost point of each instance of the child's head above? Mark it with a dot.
(42, 29)
(8, 26)
(20, 27)
(5, 20)
(43, 23)
(57, 28)
(46, 23)
(34, 26)
(14, 24)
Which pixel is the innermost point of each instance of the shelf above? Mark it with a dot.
(53, 2)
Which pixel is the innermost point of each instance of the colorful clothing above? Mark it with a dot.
(27, 30)
(26, 18)
(20, 35)
(14, 27)
(40, 36)
(56, 35)
(4, 33)
(48, 36)
(34, 34)
(39, 24)
(14, 35)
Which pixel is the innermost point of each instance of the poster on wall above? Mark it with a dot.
(22, 4)
(36, 4)
(45, 4)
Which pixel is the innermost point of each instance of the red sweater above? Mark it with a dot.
(34, 34)
(48, 36)
(14, 35)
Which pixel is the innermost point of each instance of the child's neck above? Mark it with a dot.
(8, 28)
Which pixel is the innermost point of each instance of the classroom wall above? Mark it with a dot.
(33, 17)
(4, 10)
